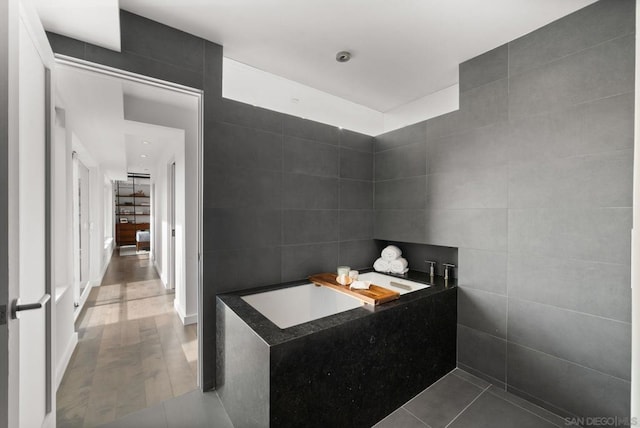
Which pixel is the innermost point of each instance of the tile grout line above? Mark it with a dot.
(527, 410)
(467, 406)
(408, 411)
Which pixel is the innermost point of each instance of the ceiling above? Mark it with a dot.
(95, 106)
(402, 50)
(146, 143)
(93, 21)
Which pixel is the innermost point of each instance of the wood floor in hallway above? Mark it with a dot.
(133, 351)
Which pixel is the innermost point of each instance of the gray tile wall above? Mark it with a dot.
(283, 197)
(532, 180)
(291, 197)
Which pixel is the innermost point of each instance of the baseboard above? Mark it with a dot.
(186, 319)
(163, 278)
(66, 357)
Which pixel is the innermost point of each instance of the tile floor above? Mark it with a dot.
(133, 351)
(457, 400)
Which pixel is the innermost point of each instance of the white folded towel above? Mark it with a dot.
(399, 266)
(381, 266)
(360, 285)
(390, 253)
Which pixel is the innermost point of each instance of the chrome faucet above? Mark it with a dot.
(432, 267)
(448, 267)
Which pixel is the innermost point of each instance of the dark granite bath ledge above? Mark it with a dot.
(273, 335)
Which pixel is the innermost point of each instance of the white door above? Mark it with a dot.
(172, 225)
(30, 308)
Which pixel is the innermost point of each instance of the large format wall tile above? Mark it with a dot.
(241, 147)
(592, 25)
(311, 157)
(400, 225)
(481, 106)
(140, 36)
(356, 194)
(598, 126)
(358, 254)
(484, 68)
(486, 312)
(310, 130)
(479, 148)
(483, 270)
(482, 352)
(243, 188)
(598, 234)
(411, 134)
(230, 267)
(300, 261)
(601, 71)
(307, 226)
(300, 191)
(244, 228)
(593, 342)
(567, 386)
(468, 189)
(356, 224)
(402, 193)
(249, 116)
(405, 161)
(356, 141)
(483, 229)
(595, 180)
(355, 164)
(601, 289)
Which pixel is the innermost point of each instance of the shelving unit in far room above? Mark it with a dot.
(132, 207)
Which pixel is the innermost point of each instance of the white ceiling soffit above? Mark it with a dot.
(159, 95)
(147, 144)
(94, 112)
(402, 50)
(93, 21)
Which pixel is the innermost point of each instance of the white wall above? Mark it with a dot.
(65, 336)
(65, 255)
(162, 227)
(146, 111)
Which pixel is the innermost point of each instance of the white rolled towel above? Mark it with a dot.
(381, 266)
(399, 265)
(390, 253)
(360, 285)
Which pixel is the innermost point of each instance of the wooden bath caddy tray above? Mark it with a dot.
(375, 295)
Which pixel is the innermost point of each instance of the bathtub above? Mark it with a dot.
(307, 302)
(296, 355)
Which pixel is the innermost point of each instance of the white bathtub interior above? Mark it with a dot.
(291, 306)
(387, 281)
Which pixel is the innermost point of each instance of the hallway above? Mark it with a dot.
(133, 352)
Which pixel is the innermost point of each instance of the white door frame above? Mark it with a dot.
(121, 74)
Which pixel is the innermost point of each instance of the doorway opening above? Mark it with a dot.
(135, 148)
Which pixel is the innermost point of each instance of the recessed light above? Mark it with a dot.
(143, 156)
(145, 142)
(343, 56)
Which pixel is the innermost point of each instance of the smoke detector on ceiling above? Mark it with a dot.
(343, 56)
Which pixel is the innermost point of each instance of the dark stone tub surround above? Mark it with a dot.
(349, 369)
